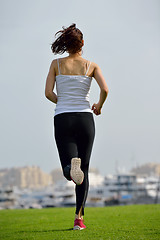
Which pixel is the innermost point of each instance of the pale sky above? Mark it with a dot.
(123, 38)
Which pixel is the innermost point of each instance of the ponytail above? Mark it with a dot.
(68, 40)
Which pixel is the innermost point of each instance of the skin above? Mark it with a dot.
(74, 64)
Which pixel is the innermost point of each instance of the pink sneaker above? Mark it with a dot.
(78, 224)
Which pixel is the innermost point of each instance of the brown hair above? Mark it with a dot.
(69, 39)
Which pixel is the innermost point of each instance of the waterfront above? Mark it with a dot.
(119, 189)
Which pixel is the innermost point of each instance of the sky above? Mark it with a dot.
(123, 38)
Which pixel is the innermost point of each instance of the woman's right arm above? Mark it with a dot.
(50, 83)
(103, 90)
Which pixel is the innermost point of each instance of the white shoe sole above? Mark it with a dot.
(76, 173)
(78, 228)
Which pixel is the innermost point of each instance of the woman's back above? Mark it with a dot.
(74, 66)
(73, 85)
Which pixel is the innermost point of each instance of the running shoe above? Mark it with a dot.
(76, 173)
(78, 224)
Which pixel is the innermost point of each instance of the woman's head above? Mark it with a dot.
(69, 40)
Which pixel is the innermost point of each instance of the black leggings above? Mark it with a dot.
(74, 135)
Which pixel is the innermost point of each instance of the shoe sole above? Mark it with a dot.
(76, 173)
(78, 228)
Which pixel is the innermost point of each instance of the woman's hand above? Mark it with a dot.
(96, 108)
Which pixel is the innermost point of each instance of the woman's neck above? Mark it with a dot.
(75, 55)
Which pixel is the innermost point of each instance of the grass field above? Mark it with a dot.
(120, 222)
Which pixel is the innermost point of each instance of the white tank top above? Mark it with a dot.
(73, 92)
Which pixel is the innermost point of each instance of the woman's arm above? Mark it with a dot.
(103, 90)
(50, 83)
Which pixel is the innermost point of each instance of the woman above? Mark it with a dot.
(73, 121)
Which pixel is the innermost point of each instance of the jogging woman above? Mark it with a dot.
(73, 121)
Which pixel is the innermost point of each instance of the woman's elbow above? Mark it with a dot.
(105, 91)
(47, 94)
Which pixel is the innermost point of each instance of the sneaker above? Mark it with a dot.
(76, 173)
(78, 224)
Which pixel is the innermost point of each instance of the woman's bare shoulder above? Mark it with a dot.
(95, 65)
(92, 68)
(54, 61)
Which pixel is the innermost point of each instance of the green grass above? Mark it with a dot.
(120, 222)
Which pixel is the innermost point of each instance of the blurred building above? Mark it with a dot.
(148, 169)
(24, 177)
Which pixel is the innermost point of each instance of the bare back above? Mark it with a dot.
(74, 66)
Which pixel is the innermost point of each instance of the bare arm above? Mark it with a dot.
(103, 90)
(50, 83)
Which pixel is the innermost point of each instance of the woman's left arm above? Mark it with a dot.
(50, 83)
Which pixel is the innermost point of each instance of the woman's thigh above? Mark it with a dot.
(74, 135)
(65, 138)
(85, 137)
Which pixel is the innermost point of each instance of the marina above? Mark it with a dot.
(119, 189)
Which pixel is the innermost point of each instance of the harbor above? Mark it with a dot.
(118, 189)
